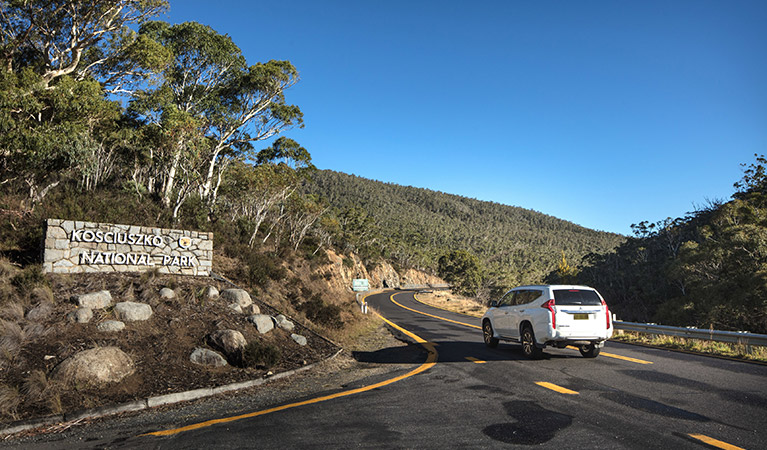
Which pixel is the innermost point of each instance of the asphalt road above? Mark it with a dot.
(460, 394)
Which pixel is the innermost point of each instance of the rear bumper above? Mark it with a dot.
(560, 339)
(599, 343)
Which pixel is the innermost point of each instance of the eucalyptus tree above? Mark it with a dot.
(209, 82)
(262, 189)
(59, 59)
(253, 192)
(78, 38)
(461, 269)
(303, 212)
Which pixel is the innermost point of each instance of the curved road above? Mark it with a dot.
(462, 394)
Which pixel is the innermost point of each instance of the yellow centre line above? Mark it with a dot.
(715, 443)
(613, 355)
(436, 317)
(625, 358)
(475, 360)
(556, 388)
(431, 360)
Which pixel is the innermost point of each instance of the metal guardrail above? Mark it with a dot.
(733, 337)
(416, 287)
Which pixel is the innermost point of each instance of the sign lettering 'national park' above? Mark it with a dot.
(89, 247)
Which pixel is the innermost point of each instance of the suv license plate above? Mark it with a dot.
(581, 316)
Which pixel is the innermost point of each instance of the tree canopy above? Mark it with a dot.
(95, 94)
(707, 269)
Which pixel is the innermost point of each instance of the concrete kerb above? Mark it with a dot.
(24, 425)
(151, 402)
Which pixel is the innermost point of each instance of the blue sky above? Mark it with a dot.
(603, 113)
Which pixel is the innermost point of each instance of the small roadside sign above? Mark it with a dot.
(360, 285)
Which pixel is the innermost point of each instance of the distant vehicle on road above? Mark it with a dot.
(556, 315)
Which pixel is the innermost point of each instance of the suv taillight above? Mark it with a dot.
(607, 313)
(550, 306)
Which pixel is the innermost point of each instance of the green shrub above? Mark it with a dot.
(20, 239)
(259, 354)
(256, 268)
(321, 313)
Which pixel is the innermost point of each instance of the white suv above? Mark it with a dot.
(558, 315)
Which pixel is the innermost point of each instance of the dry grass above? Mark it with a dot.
(11, 333)
(33, 331)
(738, 351)
(35, 385)
(12, 312)
(41, 294)
(10, 399)
(452, 302)
(7, 269)
(127, 291)
(361, 325)
(8, 292)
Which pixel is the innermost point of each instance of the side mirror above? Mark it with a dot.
(494, 304)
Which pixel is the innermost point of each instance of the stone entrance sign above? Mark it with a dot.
(78, 247)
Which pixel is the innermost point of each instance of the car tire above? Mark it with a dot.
(487, 334)
(528, 344)
(589, 350)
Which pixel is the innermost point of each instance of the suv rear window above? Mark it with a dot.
(576, 297)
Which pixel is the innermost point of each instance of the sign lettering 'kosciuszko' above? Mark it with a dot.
(77, 247)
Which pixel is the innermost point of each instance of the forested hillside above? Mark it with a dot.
(415, 227)
(708, 269)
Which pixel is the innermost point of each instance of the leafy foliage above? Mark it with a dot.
(708, 269)
(462, 270)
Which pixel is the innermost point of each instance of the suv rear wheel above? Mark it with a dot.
(487, 333)
(528, 344)
(589, 350)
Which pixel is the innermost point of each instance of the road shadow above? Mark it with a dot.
(455, 352)
(409, 354)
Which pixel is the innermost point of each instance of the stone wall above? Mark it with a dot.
(89, 247)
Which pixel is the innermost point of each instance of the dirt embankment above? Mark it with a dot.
(343, 269)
